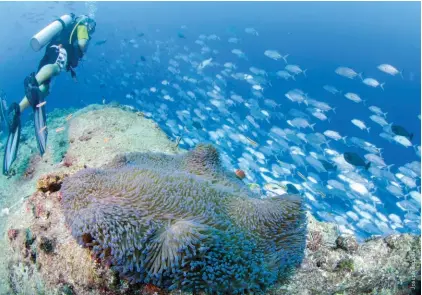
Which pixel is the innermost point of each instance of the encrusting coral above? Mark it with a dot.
(182, 222)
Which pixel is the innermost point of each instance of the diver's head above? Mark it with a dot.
(88, 22)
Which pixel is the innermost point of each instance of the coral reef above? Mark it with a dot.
(347, 243)
(40, 255)
(49, 254)
(68, 160)
(330, 268)
(314, 240)
(50, 182)
(389, 265)
(30, 170)
(111, 131)
(345, 265)
(181, 222)
(127, 131)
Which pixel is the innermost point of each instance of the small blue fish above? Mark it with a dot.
(101, 42)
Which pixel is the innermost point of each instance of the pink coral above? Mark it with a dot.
(314, 240)
(68, 160)
(12, 233)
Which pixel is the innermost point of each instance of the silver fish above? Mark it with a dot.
(373, 83)
(273, 54)
(389, 69)
(295, 69)
(331, 89)
(353, 97)
(347, 72)
(379, 120)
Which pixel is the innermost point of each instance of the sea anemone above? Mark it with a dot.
(184, 222)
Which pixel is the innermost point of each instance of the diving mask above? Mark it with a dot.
(88, 22)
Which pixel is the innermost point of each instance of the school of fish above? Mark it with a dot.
(198, 94)
(205, 89)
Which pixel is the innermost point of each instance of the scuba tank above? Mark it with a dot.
(44, 36)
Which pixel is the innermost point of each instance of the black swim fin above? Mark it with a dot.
(36, 99)
(30, 84)
(11, 148)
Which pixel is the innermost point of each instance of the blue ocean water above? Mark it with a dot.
(318, 36)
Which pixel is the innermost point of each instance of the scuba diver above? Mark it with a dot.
(68, 38)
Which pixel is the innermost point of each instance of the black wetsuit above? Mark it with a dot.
(74, 53)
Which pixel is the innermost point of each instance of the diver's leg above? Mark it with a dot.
(36, 88)
(24, 104)
(44, 88)
(36, 93)
(45, 74)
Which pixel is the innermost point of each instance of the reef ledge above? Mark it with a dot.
(42, 257)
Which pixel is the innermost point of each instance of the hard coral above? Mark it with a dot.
(47, 245)
(150, 289)
(345, 265)
(347, 243)
(50, 182)
(12, 233)
(68, 160)
(183, 222)
(314, 240)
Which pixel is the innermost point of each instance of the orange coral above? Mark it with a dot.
(50, 182)
(150, 289)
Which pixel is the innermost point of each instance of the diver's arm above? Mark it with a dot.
(82, 39)
(83, 45)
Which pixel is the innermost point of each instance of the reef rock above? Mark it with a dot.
(339, 265)
(175, 221)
